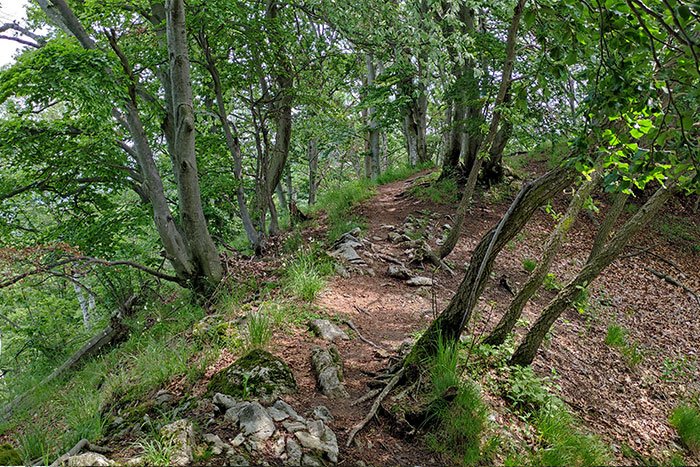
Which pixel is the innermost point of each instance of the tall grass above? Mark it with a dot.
(686, 420)
(305, 275)
(259, 330)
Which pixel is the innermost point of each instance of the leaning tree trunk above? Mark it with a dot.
(510, 317)
(451, 322)
(234, 147)
(608, 223)
(526, 351)
(456, 230)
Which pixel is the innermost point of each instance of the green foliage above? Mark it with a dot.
(528, 392)
(339, 202)
(462, 421)
(258, 330)
(686, 420)
(529, 265)
(9, 455)
(402, 172)
(82, 412)
(304, 276)
(616, 336)
(551, 283)
(679, 369)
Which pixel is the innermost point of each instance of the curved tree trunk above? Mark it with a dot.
(510, 317)
(450, 323)
(313, 170)
(374, 133)
(526, 351)
(608, 223)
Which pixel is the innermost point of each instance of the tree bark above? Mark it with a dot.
(451, 322)
(456, 230)
(608, 223)
(374, 133)
(194, 224)
(510, 317)
(312, 152)
(526, 351)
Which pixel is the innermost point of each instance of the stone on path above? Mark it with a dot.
(399, 272)
(327, 330)
(88, 459)
(419, 281)
(327, 367)
(182, 434)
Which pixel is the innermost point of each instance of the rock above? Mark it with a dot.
(238, 440)
(255, 423)
(419, 281)
(238, 460)
(257, 375)
(231, 414)
(327, 367)
(405, 347)
(278, 447)
(293, 453)
(347, 253)
(87, 459)
(162, 398)
(223, 402)
(342, 271)
(370, 272)
(399, 272)
(320, 439)
(377, 239)
(327, 330)
(218, 446)
(182, 434)
(387, 227)
(394, 237)
(282, 411)
(293, 427)
(311, 461)
(322, 413)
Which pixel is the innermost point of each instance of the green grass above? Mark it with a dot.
(529, 265)
(551, 283)
(563, 443)
(616, 336)
(686, 420)
(461, 421)
(401, 172)
(258, 330)
(158, 451)
(444, 191)
(35, 444)
(305, 275)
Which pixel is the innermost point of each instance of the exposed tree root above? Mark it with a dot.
(370, 394)
(362, 338)
(375, 406)
(673, 281)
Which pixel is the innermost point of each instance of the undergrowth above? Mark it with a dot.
(686, 421)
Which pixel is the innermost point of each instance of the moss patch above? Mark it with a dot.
(256, 375)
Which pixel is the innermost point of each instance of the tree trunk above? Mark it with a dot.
(313, 169)
(608, 223)
(456, 230)
(452, 320)
(510, 317)
(374, 146)
(525, 353)
(194, 224)
(234, 147)
(282, 198)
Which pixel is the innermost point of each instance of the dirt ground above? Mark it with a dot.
(623, 406)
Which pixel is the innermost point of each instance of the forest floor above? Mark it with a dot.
(624, 399)
(622, 394)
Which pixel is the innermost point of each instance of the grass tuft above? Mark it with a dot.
(686, 420)
(305, 275)
(529, 265)
(259, 330)
(617, 336)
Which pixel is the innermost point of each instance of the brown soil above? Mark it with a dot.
(622, 405)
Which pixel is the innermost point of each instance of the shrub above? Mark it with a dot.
(686, 420)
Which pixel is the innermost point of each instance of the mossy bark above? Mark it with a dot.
(525, 353)
(450, 323)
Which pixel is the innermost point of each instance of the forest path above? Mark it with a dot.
(625, 404)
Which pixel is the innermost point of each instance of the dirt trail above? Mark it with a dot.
(623, 405)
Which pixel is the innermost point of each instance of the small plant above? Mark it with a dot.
(550, 283)
(679, 369)
(259, 330)
(529, 265)
(526, 390)
(686, 421)
(633, 355)
(34, 445)
(159, 451)
(617, 336)
(305, 276)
